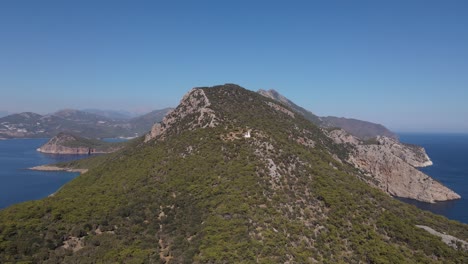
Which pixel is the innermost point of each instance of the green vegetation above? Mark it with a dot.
(199, 197)
(73, 141)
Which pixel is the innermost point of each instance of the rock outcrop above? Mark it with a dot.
(415, 155)
(194, 103)
(449, 240)
(65, 143)
(390, 166)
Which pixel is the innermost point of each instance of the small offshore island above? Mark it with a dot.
(67, 143)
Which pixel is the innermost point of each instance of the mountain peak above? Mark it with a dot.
(201, 192)
(195, 102)
(275, 95)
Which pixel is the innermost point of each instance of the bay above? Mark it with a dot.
(17, 183)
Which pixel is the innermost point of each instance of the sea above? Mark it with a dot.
(17, 183)
(449, 153)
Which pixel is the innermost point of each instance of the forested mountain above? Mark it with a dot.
(229, 176)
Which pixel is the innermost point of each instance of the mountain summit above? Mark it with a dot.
(197, 189)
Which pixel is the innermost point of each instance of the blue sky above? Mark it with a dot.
(400, 63)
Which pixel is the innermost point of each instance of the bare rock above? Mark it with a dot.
(194, 102)
(391, 166)
(451, 241)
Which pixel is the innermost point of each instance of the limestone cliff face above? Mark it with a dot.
(57, 149)
(391, 166)
(194, 104)
(416, 156)
(65, 143)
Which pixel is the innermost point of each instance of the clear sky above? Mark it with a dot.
(400, 63)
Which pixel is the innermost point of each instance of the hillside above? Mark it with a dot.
(84, 124)
(111, 114)
(198, 191)
(272, 94)
(358, 128)
(65, 143)
(142, 124)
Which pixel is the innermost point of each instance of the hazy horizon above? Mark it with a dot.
(401, 64)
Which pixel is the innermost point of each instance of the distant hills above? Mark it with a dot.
(358, 128)
(112, 114)
(361, 129)
(97, 123)
(82, 123)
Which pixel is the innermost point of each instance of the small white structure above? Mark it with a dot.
(247, 135)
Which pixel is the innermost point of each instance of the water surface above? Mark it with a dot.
(17, 184)
(449, 153)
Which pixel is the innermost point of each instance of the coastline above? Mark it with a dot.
(55, 168)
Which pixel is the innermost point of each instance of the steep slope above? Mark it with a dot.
(66, 143)
(390, 166)
(143, 124)
(361, 129)
(358, 128)
(198, 191)
(387, 163)
(272, 94)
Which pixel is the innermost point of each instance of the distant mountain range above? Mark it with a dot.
(358, 128)
(97, 123)
(112, 114)
(85, 124)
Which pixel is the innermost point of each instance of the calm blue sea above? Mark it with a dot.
(449, 153)
(17, 184)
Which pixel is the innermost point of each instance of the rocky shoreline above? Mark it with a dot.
(391, 166)
(55, 168)
(68, 144)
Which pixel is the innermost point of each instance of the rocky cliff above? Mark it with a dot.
(194, 103)
(390, 166)
(387, 163)
(65, 143)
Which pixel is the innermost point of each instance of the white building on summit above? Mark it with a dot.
(247, 135)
